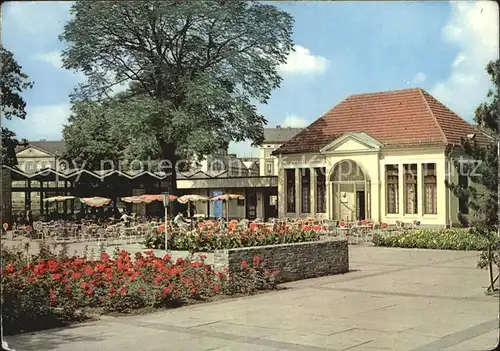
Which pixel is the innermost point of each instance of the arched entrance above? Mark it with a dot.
(350, 189)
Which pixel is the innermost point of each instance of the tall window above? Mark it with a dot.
(320, 189)
(290, 190)
(430, 188)
(463, 181)
(269, 167)
(305, 186)
(392, 181)
(410, 179)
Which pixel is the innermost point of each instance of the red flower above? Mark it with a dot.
(105, 257)
(216, 288)
(149, 253)
(166, 290)
(88, 271)
(179, 261)
(10, 268)
(133, 276)
(85, 285)
(123, 291)
(56, 276)
(89, 291)
(244, 264)
(256, 260)
(306, 228)
(77, 275)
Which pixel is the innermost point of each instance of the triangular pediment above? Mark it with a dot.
(33, 151)
(352, 142)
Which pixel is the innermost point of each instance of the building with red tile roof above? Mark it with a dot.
(381, 156)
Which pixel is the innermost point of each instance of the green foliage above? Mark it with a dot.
(13, 82)
(444, 239)
(483, 171)
(192, 72)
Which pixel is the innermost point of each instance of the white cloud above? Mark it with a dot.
(42, 122)
(473, 27)
(52, 58)
(295, 122)
(302, 61)
(420, 77)
(36, 18)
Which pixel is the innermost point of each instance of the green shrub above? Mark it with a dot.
(444, 239)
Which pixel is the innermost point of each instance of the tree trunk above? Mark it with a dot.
(490, 268)
(169, 161)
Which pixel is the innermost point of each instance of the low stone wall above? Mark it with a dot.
(294, 261)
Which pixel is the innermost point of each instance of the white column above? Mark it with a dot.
(313, 191)
(281, 192)
(401, 182)
(298, 193)
(420, 190)
(328, 195)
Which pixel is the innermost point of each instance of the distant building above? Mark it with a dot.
(41, 174)
(273, 139)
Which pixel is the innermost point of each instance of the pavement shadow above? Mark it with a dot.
(60, 338)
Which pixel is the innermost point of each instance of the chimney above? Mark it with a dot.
(278, 127)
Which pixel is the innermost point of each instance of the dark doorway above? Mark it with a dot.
(251, 205)
(360, 199)
(270, 206)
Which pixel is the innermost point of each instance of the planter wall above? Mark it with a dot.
(294, 261)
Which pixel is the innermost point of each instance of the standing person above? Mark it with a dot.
(193, 211)
(29, 218)
(125, 218)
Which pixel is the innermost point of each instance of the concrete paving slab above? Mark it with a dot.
(404, 340)
(484, 342)
(398, 299)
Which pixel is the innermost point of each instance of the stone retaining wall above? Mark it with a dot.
(294, 261)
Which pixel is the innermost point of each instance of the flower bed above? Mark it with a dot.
(444, 239)
(210, 238)
(48, 290)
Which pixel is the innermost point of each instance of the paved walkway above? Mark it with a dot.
(394, 299)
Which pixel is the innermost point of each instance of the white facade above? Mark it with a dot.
(418, 191)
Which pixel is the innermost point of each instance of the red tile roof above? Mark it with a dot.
(409, 117)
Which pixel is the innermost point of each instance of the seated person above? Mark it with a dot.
(179, 219)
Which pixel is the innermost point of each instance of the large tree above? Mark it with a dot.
(13, 82)
(480, 164)
(194, 69)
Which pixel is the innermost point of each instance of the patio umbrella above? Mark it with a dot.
(132, 199)
(95, 201)
(147, 198)
(227, 197)
(191, 198)
(58, 198)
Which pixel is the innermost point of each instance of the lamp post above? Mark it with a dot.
(166, 200)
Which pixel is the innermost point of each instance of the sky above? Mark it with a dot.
(341, 48)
